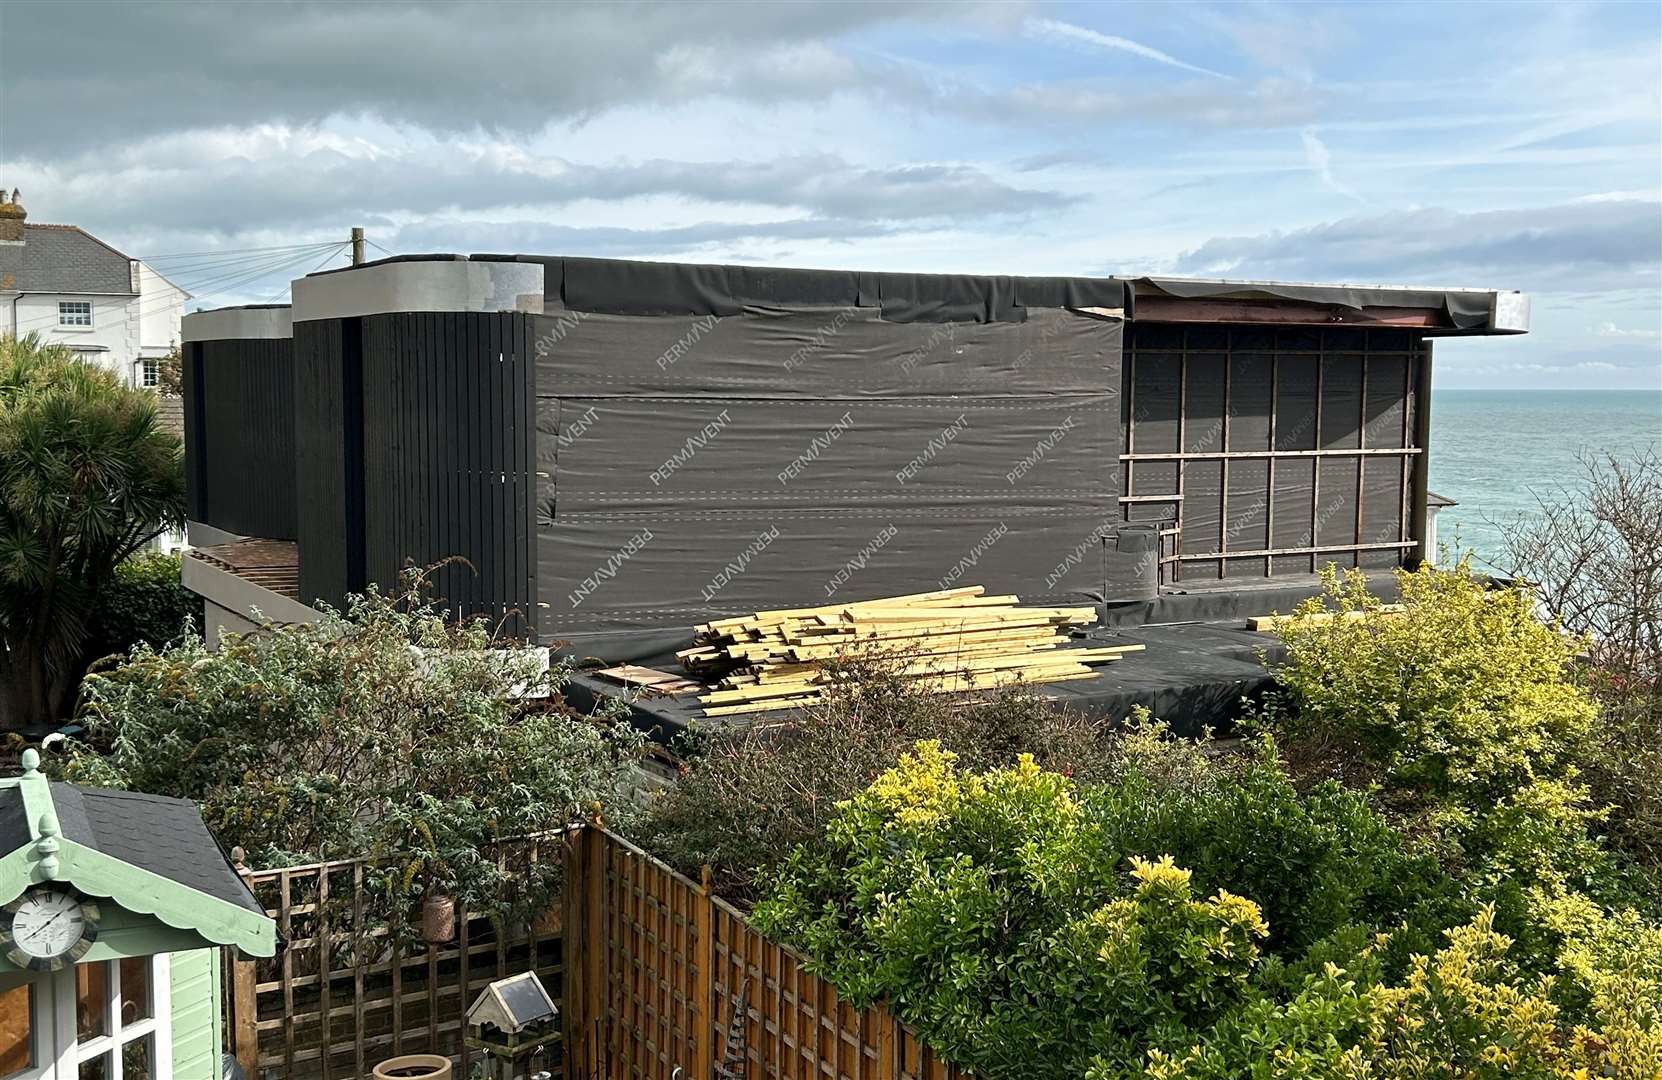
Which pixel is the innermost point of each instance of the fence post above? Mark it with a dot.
(888, 1067)
(574, 952)
(704, 1050)
(245, 1036)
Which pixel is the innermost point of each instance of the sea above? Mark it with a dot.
(1495, 451)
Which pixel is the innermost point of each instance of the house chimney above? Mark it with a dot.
(12, 217)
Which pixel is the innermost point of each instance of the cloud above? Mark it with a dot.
(1611, 330)
(446, 66)
(1056, 30)
(234, 183)
(1568, 247)
(1322, 162)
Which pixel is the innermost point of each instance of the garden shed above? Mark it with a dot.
(117, 906)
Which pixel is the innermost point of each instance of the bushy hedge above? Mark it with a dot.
(747, 796)
(1027, 933)
(143, 603)
(1403, 875)
(384, 731)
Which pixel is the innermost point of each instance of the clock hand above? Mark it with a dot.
(47, 925)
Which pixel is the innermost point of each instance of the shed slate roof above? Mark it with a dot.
(64, 259)
(153, 832)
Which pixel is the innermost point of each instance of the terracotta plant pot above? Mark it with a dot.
(550, 922)
(413, 1067)
(438, 919)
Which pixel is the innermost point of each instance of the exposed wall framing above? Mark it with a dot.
(1272, 451)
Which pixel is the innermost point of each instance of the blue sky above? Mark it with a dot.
(1489, 145)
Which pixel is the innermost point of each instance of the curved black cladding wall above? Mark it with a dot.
(239, 435)
(415, 437)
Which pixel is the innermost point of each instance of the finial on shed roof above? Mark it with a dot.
(47, 846)
(31, 761)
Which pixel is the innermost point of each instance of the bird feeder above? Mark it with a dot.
(512, 1020)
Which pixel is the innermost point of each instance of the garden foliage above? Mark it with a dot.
(748, 795)
(383, 731)
(143, 604)
(1443, 905)
(88, 476)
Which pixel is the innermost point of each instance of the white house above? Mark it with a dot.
(75, 290)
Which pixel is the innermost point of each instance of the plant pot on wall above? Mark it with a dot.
(438, 919)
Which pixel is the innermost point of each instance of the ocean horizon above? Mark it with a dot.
(1496, 451)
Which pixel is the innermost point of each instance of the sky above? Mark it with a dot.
(1486, 145)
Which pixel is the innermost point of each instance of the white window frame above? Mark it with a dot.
(150, 372)
(58, 1054)
(71, 321)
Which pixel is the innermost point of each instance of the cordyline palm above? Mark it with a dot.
(87, 477)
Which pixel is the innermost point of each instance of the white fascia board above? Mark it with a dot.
(229, 324)
(453, 285)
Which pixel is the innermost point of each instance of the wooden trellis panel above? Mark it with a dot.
(334, 1002)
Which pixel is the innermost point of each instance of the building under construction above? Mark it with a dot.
(621, 450)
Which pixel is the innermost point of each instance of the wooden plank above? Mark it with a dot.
(285, 928)
(324, 964)
(244, 1012)
(1172, 309)
(1272, 622)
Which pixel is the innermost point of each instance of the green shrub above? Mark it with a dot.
(143, 604)
(1315, 862)
(1473, 717)
(384, 731)
(992, 912)
(1465, 696)
(747, 796)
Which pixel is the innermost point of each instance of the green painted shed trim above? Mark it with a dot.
(43, 853)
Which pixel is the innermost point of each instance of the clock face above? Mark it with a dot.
(48, 923)
(48, 928)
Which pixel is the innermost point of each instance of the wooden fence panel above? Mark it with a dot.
(335, 1001)
(652, 983)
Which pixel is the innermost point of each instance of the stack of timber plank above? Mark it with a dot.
(1267, 623)
(949, 641)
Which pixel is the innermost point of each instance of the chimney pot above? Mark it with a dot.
(12, 217)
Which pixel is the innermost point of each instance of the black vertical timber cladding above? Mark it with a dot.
(352, 419)
(447, 459)
(1253, 388)
(239, 435)
(195, 419)
(320, 457)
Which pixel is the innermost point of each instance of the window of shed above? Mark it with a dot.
(74, 312)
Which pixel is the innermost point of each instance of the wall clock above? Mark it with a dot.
(48, 928)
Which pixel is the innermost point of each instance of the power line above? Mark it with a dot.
(212, 286)
(209, 266)
(231, 251)
(327, 258)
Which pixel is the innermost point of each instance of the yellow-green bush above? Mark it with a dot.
(1466, 694)
(993, 912)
